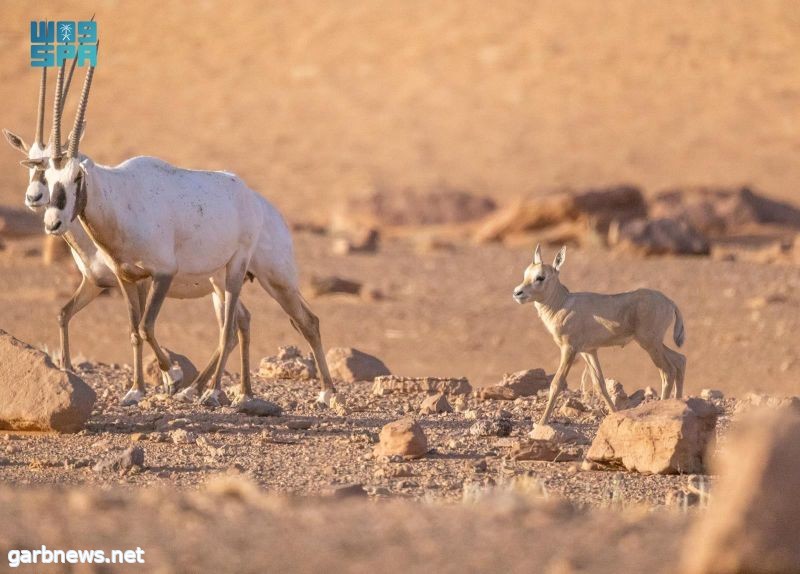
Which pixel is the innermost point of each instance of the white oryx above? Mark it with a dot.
(94, 265)
(178, 228)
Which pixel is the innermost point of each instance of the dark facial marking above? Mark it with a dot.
(38, 175)
(59, 196)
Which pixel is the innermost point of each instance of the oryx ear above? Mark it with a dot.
(33, 163)
(561, 256)
(537, 255)
(15, 141)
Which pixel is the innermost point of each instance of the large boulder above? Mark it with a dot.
(35, 394)
(753, 524)
(289, 364)
(351, 365)
(520, 384)
(662, 437)
(658, 237)
(152, 372)
(602, 205)
(404, 437)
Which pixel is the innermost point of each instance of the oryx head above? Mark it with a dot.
(65, 176)
(38, 153)
(539, 279)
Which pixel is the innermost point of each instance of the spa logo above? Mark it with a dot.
(54, 42)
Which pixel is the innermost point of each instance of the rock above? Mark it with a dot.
(319, 286)
(557, 434)
(122, 462)
(347, 491)
(635, 399)
(37, 396)
(359, 241)
(542, 450)
(617, 393)
(573, 408)
(182, 436)
(351, 365)
(434, 404)
(411, 207)
(720, 211)
(256, 407)
(301, 423)
(602, 205)
(288, 364)
(403, 437)
(711, 394)
(520, 384)
(393, 384)
(658, 237)
(754, 523)
(769, 401)
(152, 372)
(662, 437)
(491, 427)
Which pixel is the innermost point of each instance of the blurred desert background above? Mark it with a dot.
(321, 105)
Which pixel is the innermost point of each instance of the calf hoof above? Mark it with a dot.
(172, 379)
(187, 395)
(131, 398)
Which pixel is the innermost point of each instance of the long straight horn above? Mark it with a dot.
(79, 116)
(39, 137)
(68, 82)
(56, 135)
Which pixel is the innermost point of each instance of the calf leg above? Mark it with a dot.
(559, 382)
(137, 389)
(597, 377)
(678, 361)
(86, 292)
(665, 368)
(243, 333)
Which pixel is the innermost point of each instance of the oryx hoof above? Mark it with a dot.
(187, 395)
(172, 379)
(325, 397)
(214, 398)
(131, 398)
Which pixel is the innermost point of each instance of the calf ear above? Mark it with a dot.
(537, 255)
(34, 163)
(15, 141)
(561, 256)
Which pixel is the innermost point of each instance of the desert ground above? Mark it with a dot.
(328, 110)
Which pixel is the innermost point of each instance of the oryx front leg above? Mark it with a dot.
(137, 389)
(171, 375)
(593, 361)
(86, 292)
(559, 382)
(234, 278)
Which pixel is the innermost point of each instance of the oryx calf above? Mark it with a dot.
(581, 323)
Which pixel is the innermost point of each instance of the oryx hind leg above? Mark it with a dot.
(234, 279)
(665, 367)
(307, 324)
